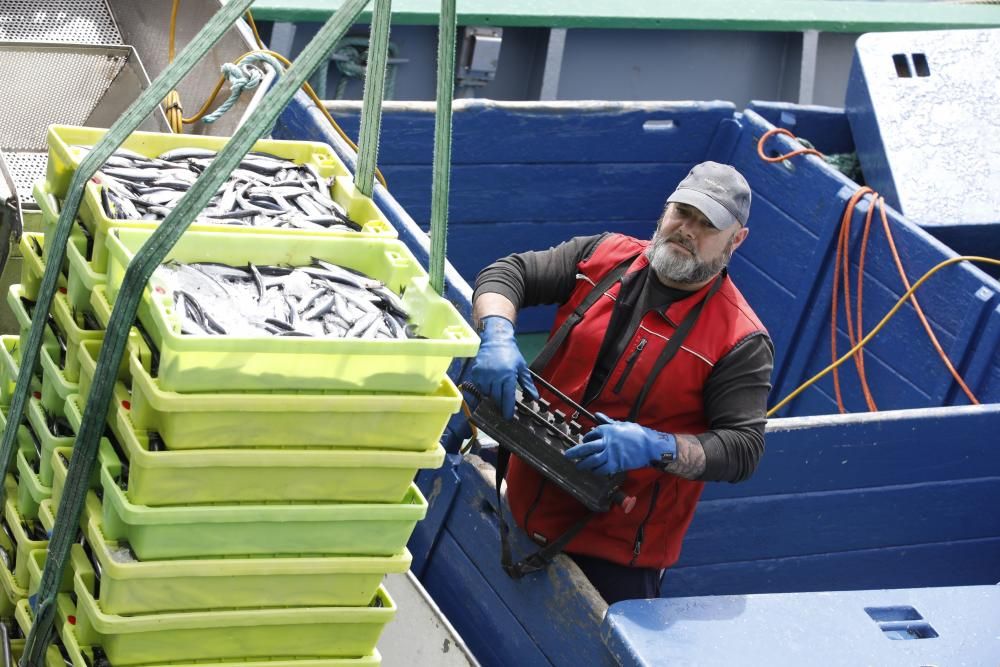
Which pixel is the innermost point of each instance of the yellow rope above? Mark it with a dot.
(871, 334)
(175, 112)
(172, 108)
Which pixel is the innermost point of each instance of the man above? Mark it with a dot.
(655, 338)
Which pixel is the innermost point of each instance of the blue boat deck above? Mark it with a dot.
(895, 499)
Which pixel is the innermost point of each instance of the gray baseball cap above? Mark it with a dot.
(718, 191)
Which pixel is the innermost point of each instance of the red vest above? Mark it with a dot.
(650, 535)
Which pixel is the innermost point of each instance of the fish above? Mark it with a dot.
(263, 191)
(320, 299)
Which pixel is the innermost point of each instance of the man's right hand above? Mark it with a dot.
(499, 366)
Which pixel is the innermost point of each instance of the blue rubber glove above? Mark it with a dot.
(458, 429)
(499, 366)
(455, 433)
(618, 446)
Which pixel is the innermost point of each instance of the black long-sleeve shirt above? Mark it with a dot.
(735, 393)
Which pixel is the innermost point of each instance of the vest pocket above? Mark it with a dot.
(641, 532)
(629, 363)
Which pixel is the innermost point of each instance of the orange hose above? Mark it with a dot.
(859, 358)
(920, 313)
(779, 158)
(842, 265)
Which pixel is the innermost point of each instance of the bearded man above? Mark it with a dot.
(655, 338)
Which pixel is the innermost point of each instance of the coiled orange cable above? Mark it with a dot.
(781, 158)
(859, 359)
(842, 264)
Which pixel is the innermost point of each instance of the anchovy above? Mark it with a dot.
(263, 191)
(312, 300)
(186, 154)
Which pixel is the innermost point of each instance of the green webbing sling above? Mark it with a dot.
(371, 108)
(124, 126)
(447, 28)
(139, 270)
(136, 113)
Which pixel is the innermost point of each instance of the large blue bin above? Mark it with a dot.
(901, 499)
(528, 177)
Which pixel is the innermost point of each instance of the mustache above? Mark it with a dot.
(681, 241)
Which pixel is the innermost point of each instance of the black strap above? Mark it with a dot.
(540, 559)
(674, 344)
(553, 344)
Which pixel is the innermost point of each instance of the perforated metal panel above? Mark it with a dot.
(42, 85)
(25, 169)
(76, 21)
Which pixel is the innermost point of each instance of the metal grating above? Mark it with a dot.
(75, 21)
(74, 83)
(25, 169)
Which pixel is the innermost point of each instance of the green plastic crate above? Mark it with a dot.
(50, 209)
(63, 160)
(23, 318)
(81, 280)
(219, 634)
(55, 387)
(83, 656)
(30, 490)
(201, 531)
(49, 441)
(303, 419)
(192, 477)
(11, 591)
(52, 656)
(33, 265)
(25, 443)
(10, 353)
(220, 363)
(87, 355)
(106, 458)
(36, 565)
(25, 617)
(130, 586)
(16, 527)
(73, 333)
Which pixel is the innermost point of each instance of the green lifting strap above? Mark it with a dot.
(371, 112)
(136, 277)
(42, 631)
(124, 126)
(442, 143)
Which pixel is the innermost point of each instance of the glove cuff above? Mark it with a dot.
(662, 448)
(495, 326)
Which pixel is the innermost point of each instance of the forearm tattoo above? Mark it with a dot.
(690, 461)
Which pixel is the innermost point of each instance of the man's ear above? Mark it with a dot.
(739, 237)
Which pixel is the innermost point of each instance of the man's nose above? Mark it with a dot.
(689, 228)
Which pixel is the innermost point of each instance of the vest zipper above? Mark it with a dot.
(640, 534)
(629, 363)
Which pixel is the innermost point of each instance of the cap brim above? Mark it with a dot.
(716, 213)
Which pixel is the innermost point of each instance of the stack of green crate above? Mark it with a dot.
(251, 493)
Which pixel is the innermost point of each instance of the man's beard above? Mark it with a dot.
(673, 264)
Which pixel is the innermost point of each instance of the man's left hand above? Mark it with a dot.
(617, 446)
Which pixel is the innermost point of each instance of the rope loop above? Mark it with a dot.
(244, 75)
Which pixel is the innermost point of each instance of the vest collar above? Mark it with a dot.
(678, 310)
